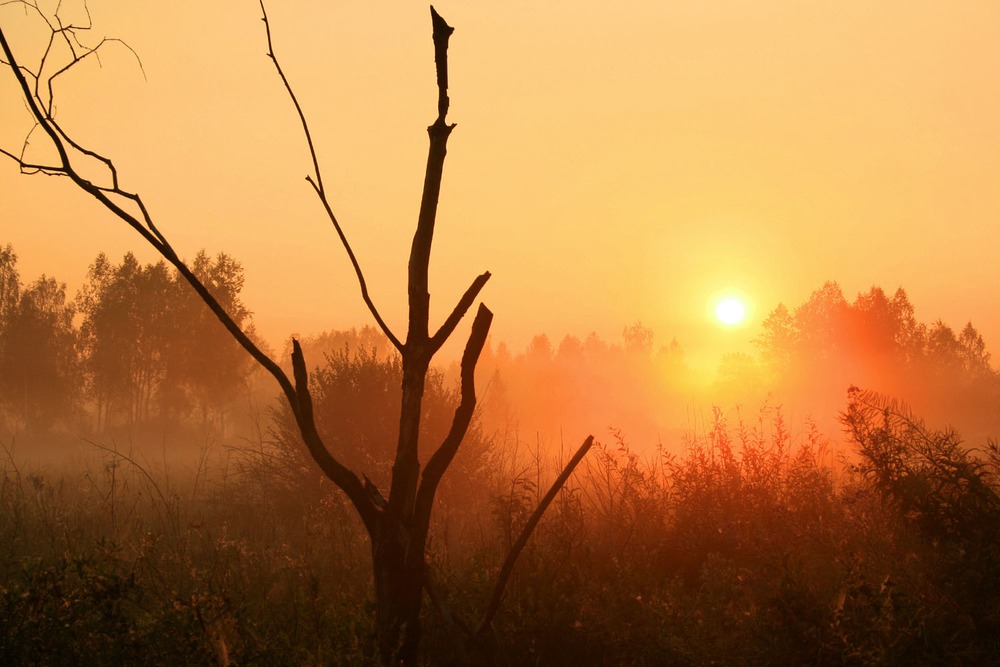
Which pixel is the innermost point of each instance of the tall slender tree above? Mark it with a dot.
(10, 284)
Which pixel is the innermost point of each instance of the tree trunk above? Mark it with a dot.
(398, 595)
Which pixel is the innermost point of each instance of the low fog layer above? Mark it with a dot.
(134, 356)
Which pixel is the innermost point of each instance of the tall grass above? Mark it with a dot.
(120, 564)
(749, 547)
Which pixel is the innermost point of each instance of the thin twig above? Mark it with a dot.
(316, 181)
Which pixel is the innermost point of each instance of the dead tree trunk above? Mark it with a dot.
(398, 525)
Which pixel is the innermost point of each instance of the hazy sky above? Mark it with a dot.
(613, 162)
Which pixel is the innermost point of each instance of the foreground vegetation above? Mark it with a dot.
(753, 547)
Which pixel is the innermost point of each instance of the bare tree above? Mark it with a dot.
(397, 525)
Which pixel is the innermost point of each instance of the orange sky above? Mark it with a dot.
(613, 162)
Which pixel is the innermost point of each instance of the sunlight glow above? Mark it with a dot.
(730, 311)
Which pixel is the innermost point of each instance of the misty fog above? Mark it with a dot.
(128, 413)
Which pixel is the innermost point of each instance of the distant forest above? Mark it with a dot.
(135, 347)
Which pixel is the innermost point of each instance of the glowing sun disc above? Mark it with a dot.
(730, 311)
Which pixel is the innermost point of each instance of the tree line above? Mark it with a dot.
(804, 357)
(876, 332)
(132, 347)
(828, 343)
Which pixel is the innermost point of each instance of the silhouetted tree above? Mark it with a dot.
(779, 339)
(738, 375)
(638, 341)
(874, 325)
(873, 331)
(874, 340)
(570, 350)
(910, 334)
(10, 293)
(207, 368)
(39, 374)
(125, 334)
(398, 524)
(540, 350)
(366, 338)
(975, 358)
(150, 347)
(821, 324)
(10, 285)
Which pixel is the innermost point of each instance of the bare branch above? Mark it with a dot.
(362, 283)
(31, 99)
(417, 350)
(341, 475)
(89, 153)
(316, 181)
(460, 309)
(508, 565)
(77, 58)
(303, 404)
(87, 51)
(291, 94)
(36, 104)
(31, 168)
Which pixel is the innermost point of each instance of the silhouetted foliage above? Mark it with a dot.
(142, 348)
(39, 372)
(874, 332)
(127, 333)
(398, 524)
(751, 546)
(946, 492)
(10, 286)
(638, 340)
(209, 369)
(354, 392)
(740, 550)
(150, 347)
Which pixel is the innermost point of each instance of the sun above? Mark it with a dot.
(731, 311)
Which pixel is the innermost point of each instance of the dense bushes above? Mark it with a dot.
(753, 546)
